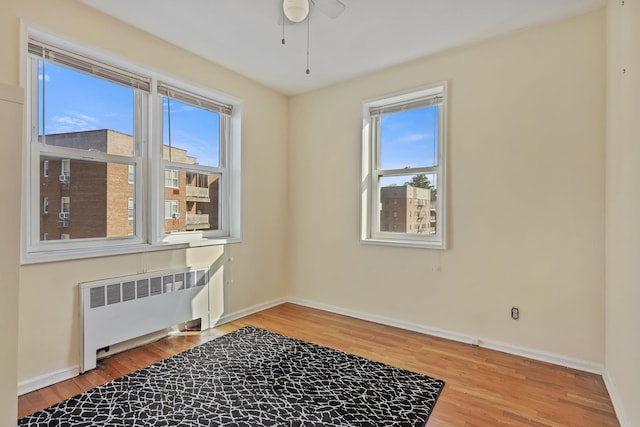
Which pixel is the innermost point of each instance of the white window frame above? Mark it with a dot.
(149, 186)
(370, 224)
(45, 205)
(65, 204)
(131, 208)
(45, 168)
(171, 209)
(65, 167)
(171, 177)
(227, 169)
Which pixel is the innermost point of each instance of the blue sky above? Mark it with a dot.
(76, 102)
(408, 139)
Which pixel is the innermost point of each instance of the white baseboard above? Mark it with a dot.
(63, 374)
(46, 380)
(621, 413)
(247, 311)
(582, 365)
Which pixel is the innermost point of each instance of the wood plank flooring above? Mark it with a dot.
(483, 387)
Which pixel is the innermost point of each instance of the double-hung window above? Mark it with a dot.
(95, 133)
(403, 169)
(131, 189)
(195, 169)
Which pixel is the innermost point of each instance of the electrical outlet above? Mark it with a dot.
(515, 313)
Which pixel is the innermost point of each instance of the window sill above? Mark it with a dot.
(84, 253)
(408, 243)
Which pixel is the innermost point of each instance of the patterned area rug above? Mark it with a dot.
(253, 377)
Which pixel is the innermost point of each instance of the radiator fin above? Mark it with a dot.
(156, 285)
(201, 278)
(113, 294)
(128, 291)
(142, 287)
(191, 279)
(178, 283)
(96, 297)
(167, 281)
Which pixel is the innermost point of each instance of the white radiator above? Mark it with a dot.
(119, 309)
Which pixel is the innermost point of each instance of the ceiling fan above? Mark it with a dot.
(295, 11)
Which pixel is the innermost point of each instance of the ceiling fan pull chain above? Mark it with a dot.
(283, 41)
(308, 25)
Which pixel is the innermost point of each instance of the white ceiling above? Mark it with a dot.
(244, 35)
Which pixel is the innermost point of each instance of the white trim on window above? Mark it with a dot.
(371, 229)
(147, 160)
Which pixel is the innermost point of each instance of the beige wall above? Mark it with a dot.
(11, 99)
(623, 208)
(526, 195)
(526, 198)
(48, 322)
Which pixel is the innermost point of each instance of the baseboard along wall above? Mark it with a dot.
(583, 365)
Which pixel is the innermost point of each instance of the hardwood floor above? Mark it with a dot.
(483, 387)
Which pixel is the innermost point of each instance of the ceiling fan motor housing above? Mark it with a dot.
(295, 10)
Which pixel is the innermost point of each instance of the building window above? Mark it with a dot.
(125, 157)
(65, 170)
(131, 174)
(404, 158)
(131, 209)
(45, 205)
(65, 203)
(171, 209)
(172, 178)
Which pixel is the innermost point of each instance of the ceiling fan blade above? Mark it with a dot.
(331, 8)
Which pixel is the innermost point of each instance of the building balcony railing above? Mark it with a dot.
(202, 192)
(197, 220)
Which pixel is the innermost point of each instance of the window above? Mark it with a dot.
(131, 209)
(202, 163)
(171, 209)
(172, 178)
(95, 117)
(403, 158)
(65, 169)
(131, 174)
(64, 205)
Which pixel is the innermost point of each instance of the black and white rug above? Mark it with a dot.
(253, 377)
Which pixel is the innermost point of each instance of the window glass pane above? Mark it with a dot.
(195, 205)
(191, 135)
(409, 139)
(71, 103)
(171, 178)
(408, 204)
(94, 202)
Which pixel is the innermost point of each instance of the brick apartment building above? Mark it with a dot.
(407, 209)
(89, 199)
